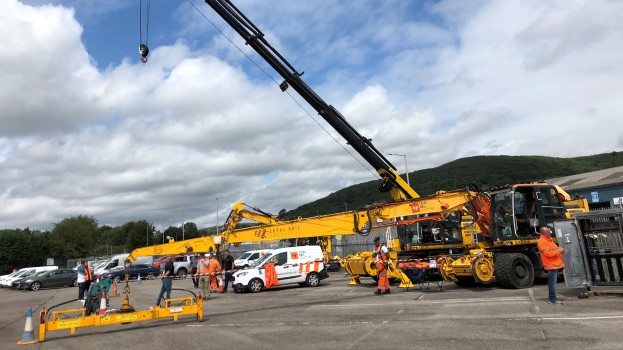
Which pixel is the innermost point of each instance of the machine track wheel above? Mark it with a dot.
(446, 271)
(514, 270)
(482, 269)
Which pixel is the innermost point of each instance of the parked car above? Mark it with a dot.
(118, 273)
(248, 258)
(46, 279)
(161, 260)
(25, 272)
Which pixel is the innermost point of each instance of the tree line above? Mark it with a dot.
(81, 236)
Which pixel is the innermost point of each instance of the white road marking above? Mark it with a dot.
(400, 311)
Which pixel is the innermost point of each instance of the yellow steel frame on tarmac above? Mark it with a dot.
(59, 321)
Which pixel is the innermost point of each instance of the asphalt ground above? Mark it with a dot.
(336, 315)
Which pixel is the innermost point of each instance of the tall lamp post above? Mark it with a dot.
(217, 208)
(406, 167)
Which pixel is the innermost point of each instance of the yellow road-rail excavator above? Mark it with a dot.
(468, 233)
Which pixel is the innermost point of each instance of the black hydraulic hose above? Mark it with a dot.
(364, 232)
(57, 305)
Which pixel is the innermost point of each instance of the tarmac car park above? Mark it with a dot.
(339, 316)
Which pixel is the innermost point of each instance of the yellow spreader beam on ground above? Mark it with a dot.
(66, 320)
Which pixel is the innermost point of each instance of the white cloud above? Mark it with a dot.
(162, 140)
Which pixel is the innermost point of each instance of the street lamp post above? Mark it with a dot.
(406, 166)
(217, 208)
(183, 219)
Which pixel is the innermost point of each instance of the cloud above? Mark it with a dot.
(161, 141)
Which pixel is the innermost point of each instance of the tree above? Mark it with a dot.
(74, 237)
(139, 234)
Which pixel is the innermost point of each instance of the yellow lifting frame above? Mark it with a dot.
(58, 321)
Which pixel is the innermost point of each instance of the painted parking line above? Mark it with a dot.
(431, 302)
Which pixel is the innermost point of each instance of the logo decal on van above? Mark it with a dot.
(294, 255)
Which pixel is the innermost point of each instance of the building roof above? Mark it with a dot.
(599, 178)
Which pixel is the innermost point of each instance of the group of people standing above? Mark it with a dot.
(204, 269)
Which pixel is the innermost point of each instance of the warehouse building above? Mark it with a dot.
(602, 188)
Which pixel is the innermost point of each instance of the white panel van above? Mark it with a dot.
(249, 258)
(302, 265)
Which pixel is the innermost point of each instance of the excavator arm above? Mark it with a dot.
(391, 181)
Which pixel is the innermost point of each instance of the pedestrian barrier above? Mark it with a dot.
(29, 334)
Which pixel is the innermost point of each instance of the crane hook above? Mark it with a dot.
(144, 51)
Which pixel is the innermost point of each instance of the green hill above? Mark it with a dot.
(485, 171)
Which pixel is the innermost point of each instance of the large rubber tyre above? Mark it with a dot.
(182, 272)
(312, 280)
(255, 285)
(74, 283)
(514, 270)
(415, 275)
(35, 285)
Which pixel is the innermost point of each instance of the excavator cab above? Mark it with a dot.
(520, 211)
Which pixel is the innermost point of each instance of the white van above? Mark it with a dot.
(303, 265)
(249, 258)
(25, 272)
(116, 260)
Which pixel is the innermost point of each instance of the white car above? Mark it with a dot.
(293, 265)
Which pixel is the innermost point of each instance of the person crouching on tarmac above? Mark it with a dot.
(382, 256)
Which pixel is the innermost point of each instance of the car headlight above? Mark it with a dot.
(240, 274)
(28, 281)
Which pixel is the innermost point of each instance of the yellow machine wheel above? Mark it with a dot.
(445, 269)
(482, 269)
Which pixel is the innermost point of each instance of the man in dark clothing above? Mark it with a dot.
(167, 281)
(194, 261)
(228, 267)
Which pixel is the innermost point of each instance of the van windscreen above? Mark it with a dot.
(262, 260)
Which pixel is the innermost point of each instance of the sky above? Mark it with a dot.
(87, 129)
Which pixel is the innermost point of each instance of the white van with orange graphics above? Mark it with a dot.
(284, 266)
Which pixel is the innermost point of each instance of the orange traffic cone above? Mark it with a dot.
(29, 334)
(220, 283)
(114, 292)
(103, 304)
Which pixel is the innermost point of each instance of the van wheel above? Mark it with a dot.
(182, 272)
(74, 283)
(312, 280)
(255, 285)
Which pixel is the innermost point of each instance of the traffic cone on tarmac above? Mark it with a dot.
(103, 304)
(220, 283)
(29, 334)
(114, 292)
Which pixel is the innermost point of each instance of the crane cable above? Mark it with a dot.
(143, 49)
(374, 174)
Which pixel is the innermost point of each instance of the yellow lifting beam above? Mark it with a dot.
(66, 319)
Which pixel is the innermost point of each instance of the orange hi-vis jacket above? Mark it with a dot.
(211, 267)
(87, 275)
(550, 254)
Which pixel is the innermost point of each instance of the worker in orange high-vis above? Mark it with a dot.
(382, 257)
(212, 269)
(551, 256)
(88, 278)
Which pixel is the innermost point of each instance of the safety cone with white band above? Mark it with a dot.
(29, 334)
(103, 304)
